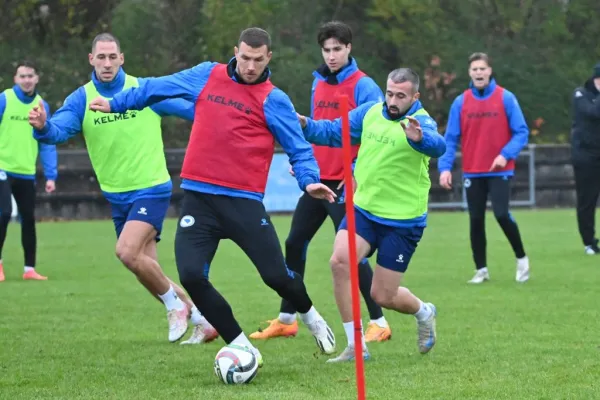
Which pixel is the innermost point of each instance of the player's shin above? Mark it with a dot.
(340, 269)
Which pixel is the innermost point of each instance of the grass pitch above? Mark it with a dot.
(92, 332)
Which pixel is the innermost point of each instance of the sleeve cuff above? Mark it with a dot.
(43, 131)
(113, 108)
(309, 181)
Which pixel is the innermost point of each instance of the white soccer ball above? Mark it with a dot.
(236, 364)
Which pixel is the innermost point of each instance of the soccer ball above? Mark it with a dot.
(236, 364)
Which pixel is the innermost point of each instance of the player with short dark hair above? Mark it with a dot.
(490, 125)
(132, 174)
(338, 75)
(238, 116)
(397, 138)
(18, 155)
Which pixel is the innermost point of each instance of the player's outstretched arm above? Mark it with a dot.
(175, 108)
(452, 136)
(518, 127)
(64, 124)
(431, 143)
(283, 124)
(186, 85)
(326, 132)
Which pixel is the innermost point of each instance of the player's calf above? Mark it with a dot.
(387, 292)
(131, 249)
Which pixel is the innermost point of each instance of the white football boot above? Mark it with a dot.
(481, 275)
(522, 269)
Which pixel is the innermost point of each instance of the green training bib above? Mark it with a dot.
(126, 150)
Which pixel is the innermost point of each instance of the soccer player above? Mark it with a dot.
(338, 75)
(239, 114)
(397, 139)
(585, 156)
(18, 156)
(488, 121)
(132, 172)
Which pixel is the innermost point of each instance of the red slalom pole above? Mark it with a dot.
(349, 193)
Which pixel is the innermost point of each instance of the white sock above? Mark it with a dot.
(286, 318)
(242, 340)
(311, 316)
(484, 269)
(424, 312)
(27, 269)
(171, 301)
(196, 318)
(380, 322)
(349, 329)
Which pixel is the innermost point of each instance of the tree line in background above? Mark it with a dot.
(541, 50)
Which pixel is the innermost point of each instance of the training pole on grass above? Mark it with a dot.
(351, 222)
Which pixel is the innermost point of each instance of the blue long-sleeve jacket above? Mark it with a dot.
(365, 90)
(67, 122)
(516, 120)
(329, 133)
(47, 152)
(279, 113)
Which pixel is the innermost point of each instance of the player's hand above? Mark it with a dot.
(302, 120)
(446, 180)
(320, 191)
(499, 162)
(292, 173)
(50, 186)
(341, 185)
(100, 104)
(38, 116)
(413, 129)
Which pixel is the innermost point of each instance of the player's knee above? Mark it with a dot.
(477, 220)
(382, 297)
(502, 216)
(277, 281)
(191, 277)
(128, 255)
(27, 220)
(295, 244)
(339, 263)
(5, 217)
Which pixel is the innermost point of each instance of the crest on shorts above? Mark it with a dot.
(2, 176)
(186, 221)
(467, 182)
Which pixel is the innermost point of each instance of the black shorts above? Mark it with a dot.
(206, 219)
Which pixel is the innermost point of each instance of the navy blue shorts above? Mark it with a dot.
(150, 210)
(395, 246)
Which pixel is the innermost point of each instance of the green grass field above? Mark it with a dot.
(92, 332)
